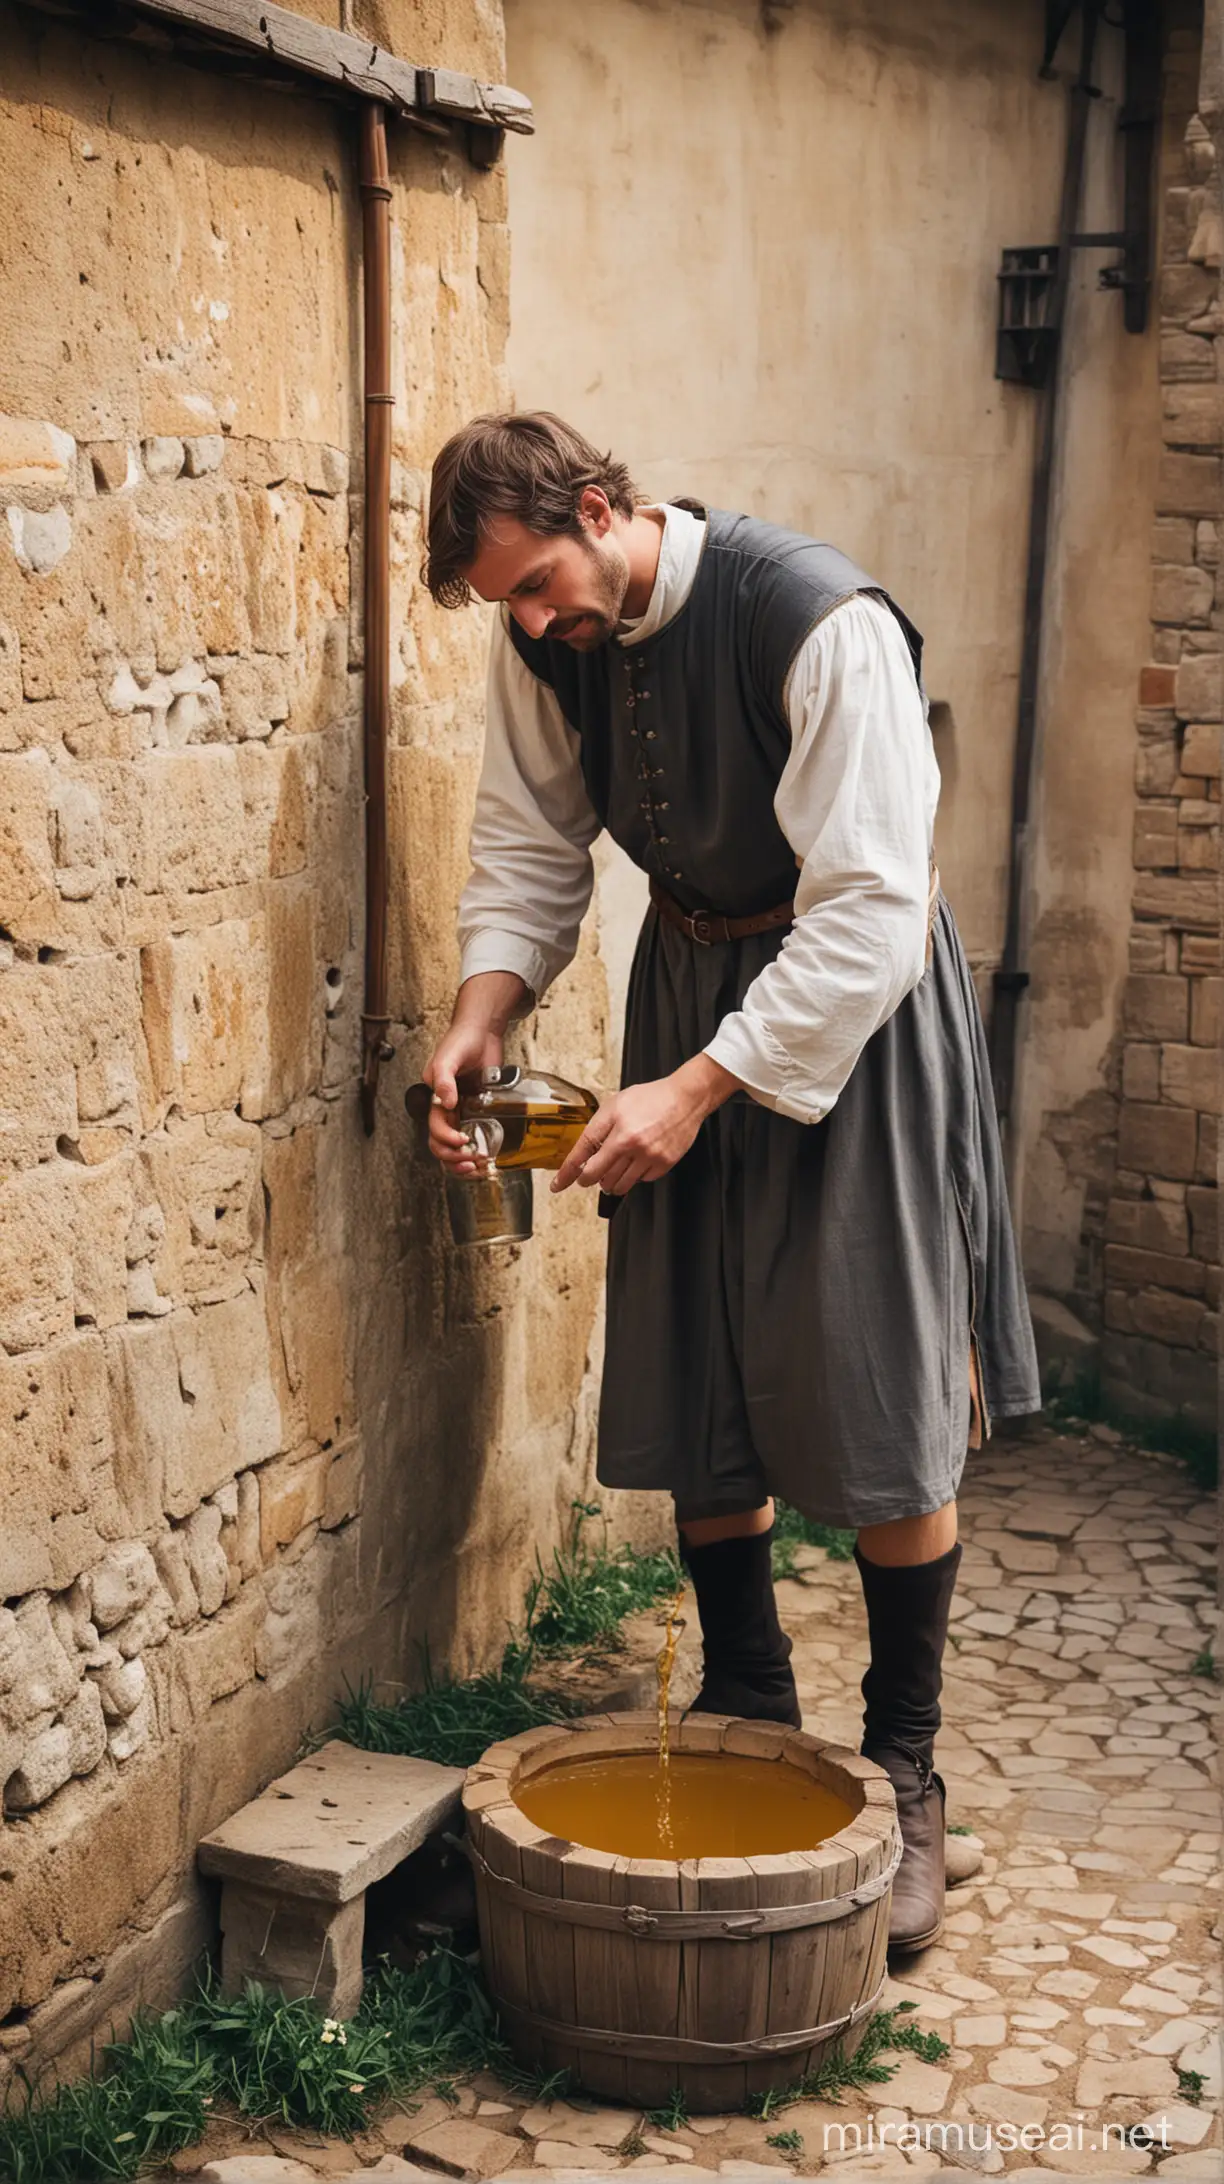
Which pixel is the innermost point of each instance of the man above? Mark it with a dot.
(812, 1284)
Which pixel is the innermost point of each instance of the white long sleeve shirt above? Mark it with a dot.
(856, 801)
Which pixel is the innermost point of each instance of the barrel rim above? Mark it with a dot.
(855, 1852)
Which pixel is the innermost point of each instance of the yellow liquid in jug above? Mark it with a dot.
(694, 1805)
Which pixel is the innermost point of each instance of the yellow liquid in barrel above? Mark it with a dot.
(715, 1805)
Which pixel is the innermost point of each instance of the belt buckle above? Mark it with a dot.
(699, 922)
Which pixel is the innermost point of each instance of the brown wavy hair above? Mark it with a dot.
(532, 466)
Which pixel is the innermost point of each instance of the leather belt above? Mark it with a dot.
(707, 926)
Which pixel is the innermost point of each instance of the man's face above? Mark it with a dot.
(571, 588)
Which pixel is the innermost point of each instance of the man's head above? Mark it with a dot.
(522, 508)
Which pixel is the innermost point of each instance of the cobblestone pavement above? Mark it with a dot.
(1078, 1980)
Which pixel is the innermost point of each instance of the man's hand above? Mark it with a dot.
(484, 1006)
(643, 1131)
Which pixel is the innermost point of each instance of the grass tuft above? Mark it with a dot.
(787, 2142)
(586, 1594)
(672, 2116)
(451, 1721)
(1205, 1664)
(1191, 2085)
(270, 2060)
(792, 1531)
(839, 2073)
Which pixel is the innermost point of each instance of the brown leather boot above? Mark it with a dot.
(917, 1914)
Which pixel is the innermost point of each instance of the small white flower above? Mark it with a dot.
(326, 2037)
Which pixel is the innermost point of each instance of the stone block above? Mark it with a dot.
(218, 1658)
(1206, 1165)
(298, 1944)
(250, 1555)
(460, 2147)
(1165, 1318)
(1190, 1077)
(1200, 755)
(45, 1767)
(29, 907)
(1202, 1204)
(1156, 1007)
(205, 997)
(1131, 1268)
(1154, 842)
(336, 1823)
(1200, 688)
(57, 1466)
(1192, 415)
(1181, 593)
(291, 1496)
(206, 1175)
(342, 1491)
(115, 464)
(1140, 1073)
(36, 1262)
(121, 1686)
(1156, 767)
(1173, 537)
(248, 2168)
(121, 1584)
(34, 452)
(1185, 357)
(1157, 685)
(1157, 1141)
(164, 457)
(40, 539)
(193, 1398)
(1148, 1224)
(1188, 485)
(206, 1558)
(83, 1719)
(1198, 848)
(127, 1737)
(205, 451)
(1179, 902)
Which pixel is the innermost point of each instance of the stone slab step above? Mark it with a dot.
(336, 1823)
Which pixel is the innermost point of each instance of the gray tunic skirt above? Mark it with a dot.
(791, 1308)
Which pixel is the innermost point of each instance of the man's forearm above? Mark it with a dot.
(490, 1000)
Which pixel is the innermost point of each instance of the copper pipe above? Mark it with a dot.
(375, 186)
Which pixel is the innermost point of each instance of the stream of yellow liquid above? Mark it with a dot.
(719, 1805)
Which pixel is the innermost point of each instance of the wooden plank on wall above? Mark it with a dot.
(335, 57)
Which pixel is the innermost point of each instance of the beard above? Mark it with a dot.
(585, 632)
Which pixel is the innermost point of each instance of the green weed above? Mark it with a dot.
(839, 2073)
(451, 1721)
(1205, 1664)
(672, 2116)
(268, 2059)
(787, 2142)
(583, 1597)
(1191, 2085)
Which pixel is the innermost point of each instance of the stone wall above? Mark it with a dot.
(1161, 1248)
(260, 1430)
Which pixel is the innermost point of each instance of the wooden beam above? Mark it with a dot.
(354, 65)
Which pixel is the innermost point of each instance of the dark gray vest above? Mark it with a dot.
(684, 737)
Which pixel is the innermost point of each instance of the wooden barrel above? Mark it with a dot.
(724, 1977)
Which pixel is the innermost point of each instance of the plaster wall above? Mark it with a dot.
(755, 251)
(260, 1430)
